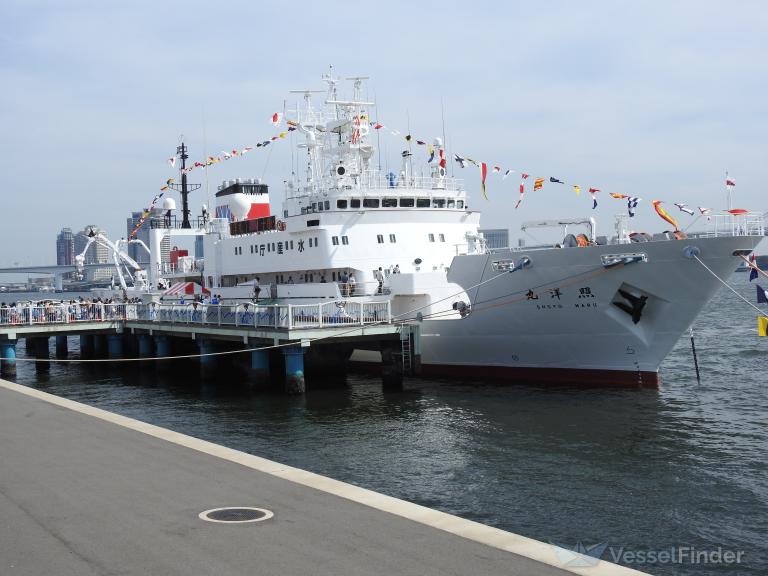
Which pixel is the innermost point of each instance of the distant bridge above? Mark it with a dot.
(57, 271)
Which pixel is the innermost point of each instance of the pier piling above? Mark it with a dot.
(391, 368)
(115, 346)
(62, 346)
(41, 350)
(294, 370)
(146, 346)
(260, 365)
(86, 345)
(99, 345)
(8, 358)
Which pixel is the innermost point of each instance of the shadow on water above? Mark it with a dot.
(643, 470)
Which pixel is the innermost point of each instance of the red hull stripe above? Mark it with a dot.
(513, 375)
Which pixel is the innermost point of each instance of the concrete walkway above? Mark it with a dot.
(84, 491)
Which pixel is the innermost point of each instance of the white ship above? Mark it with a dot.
(606, 313)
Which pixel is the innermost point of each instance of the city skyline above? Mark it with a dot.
(655, 101)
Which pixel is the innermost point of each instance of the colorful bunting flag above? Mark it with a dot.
(555, 180)
(762, 295)
(594, 191)
(730, 182)
(507, 173)
(684, 208)
(664, 214)
(431, 152)
(538, 184)
(577, 189)
(496, 169)
(172, 161)
(523, 178)
(484, 172)
(460, 160)
(631, 205)
(277, 117)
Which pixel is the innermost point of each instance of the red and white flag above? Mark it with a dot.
(277, 117)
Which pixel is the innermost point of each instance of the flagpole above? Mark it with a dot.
(729, 190)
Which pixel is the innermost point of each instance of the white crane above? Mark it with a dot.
(120, 258)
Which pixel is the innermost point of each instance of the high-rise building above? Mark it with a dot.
(496, 237)
(136, 251)
(96, 254)
(65, 249)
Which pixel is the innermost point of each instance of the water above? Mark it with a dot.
(639, 470)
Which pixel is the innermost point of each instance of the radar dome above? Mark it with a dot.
(239, 206)
(169, 204)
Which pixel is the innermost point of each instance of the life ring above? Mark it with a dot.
(280, 225)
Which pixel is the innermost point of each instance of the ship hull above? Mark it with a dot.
(559, 320)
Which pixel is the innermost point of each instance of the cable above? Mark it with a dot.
(724, 283)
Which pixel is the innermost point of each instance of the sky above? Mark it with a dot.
(652, 99)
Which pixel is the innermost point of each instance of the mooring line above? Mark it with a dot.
(724, 283)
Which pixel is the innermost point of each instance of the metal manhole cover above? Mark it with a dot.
(236, 515)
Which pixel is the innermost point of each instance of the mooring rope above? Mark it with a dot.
(724, 283)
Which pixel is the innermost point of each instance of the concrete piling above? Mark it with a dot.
(115, 346)
(294, 370)
(86, 345)
(260, 365)
(146, 346)
(62, 346)
(8, 358)
(391, 368)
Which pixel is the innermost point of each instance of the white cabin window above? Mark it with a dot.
(354, 203)
(406, 202)
(460, 204)
(370, 203)
(310, 242)
(389, 203)
(335, 240)
(380, 238)
(342, 204)
(422, 203)
(327, 204)
(451, 203)
(320, 206)
(392, 238)
(442, 237)
(344, 240)
(438, 203)
(431, 237)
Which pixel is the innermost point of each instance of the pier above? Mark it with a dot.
(324, 335)
(85, 491)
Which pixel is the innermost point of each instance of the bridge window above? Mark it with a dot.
(370, 203)
(380, 238)
(341, 204)
(389, 203)
(422, 202)
(460, 204)
(392, 238)
(335, 240)
(438, 203)
(451, 203)
(406, 202)
(354, 203)
(344, 240)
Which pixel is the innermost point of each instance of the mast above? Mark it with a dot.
(185, 189)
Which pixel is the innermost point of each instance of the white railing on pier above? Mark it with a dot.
(291, 316)
(31, 314)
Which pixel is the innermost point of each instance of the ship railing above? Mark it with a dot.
(290, 316)
(67, 313)
(376, 179)
(747, 224)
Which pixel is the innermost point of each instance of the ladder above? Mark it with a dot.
(405, 347)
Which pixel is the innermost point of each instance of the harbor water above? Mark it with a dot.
(641, 473)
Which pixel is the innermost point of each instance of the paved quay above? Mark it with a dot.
(84, 491)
